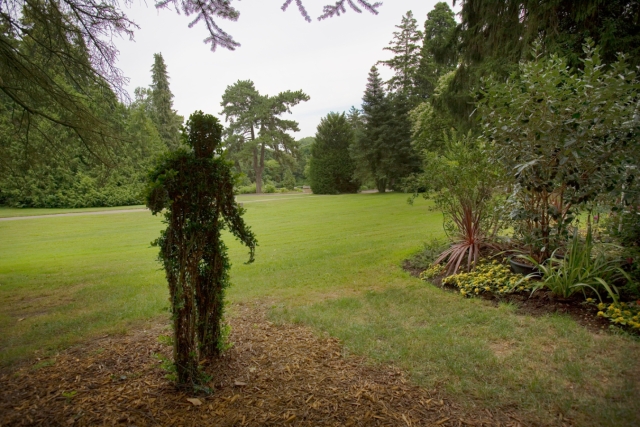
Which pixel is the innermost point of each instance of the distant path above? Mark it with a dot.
(118, 211)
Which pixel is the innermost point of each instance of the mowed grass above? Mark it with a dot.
(332, 262)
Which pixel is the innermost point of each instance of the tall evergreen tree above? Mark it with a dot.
(331, 167)
(406, 60)
(164, 116)
(439, 53)
(383, 151)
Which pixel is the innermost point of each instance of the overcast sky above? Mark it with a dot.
(328, 60)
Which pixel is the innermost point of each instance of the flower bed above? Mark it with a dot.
(486, 277)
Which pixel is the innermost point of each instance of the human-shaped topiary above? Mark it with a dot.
(194, 187)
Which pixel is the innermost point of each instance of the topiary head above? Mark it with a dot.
(203, 133)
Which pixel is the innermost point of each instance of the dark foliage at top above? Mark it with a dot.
(78, 35)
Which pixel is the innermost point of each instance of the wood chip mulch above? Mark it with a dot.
(274, 375)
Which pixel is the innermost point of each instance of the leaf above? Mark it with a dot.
(194, 401)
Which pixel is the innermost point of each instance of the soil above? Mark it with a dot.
(539, 304)
(275, 374)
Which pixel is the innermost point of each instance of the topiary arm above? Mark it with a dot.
(232, 214)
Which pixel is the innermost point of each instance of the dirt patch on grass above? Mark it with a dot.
(274, 375)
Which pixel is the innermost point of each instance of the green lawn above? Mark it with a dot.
(331, 262)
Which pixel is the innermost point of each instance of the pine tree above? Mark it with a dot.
(164, 116)
(383, 152)
(406, 48)
(331, 167)
(439, 53)
(256, 126)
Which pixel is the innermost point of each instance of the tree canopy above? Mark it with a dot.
(255, 125)
(331, 167)
(78, 35)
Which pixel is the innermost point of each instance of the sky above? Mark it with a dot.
(329, 60)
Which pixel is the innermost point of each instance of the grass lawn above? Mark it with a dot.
(332, 262)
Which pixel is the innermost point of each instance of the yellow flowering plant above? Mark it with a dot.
(621, 313)
(489, 277)
(431, 272)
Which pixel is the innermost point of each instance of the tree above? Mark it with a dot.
(566, 135)
(32, 90)
(255, 126)
(383, 151)
(439, 54)
(369, 150)
(304, 153)
(495, 36)
(44, 164)
(331, 167)
(431, 119)
(164, 116)
(502, 33)
(194, 188)
(406, 48)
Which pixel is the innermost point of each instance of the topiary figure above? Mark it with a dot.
(194, 187)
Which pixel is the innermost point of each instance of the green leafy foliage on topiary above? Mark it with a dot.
(331, 167)
(194, 188)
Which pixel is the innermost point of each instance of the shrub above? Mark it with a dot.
(247, 189)
(193, 189)
(578, 270)
(567, 134)
(465, 183)
(427, 255)
(269, 188)
(489, 277)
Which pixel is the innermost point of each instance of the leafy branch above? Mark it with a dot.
(336, 9)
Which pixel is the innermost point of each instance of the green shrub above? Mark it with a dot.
(579, 270)
(247, 189)
(427, 255)
(269, 188)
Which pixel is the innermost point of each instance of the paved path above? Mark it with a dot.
(119, 211)
(115, 211)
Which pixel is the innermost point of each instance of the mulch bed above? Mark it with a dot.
(274, 375)
(539, 304)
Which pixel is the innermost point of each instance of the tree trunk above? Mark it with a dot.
(259, 166)
(381, 185)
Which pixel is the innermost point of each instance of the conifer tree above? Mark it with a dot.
(331, 167)
(256, 126)
(383, 151)
(164, 116)
(439, 53)
(406, 48)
